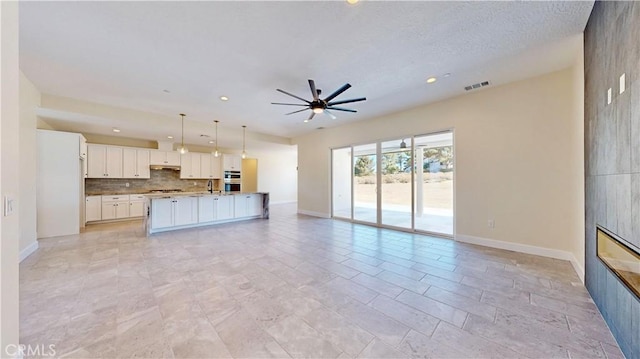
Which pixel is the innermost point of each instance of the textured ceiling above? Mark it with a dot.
(125, 54)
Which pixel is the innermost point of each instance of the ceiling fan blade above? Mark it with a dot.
(314, 92)
(292, 95)
(310, 117)
(347, 101)
(333, 117)
(341, 109)
(337, 92)
(290, 113)
(289, 104)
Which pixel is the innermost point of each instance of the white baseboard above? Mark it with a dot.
(314, 214)
(27, 251)
(525, 248)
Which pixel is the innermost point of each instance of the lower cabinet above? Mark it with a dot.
(248, 205)
(104, 208)
(215, 208)
(170, 212)
(93, 208)
(137, 205)
(115, 207)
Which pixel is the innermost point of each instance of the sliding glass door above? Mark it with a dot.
(365, 207)
(341, 182)
(396, 203)
(434, 183)
(404, 183)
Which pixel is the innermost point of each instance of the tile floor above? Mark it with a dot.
(298, 286)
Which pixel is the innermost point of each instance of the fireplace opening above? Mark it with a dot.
(621, 259)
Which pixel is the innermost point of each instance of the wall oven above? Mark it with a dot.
(232, 181)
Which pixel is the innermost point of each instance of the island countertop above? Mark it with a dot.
(198, 194)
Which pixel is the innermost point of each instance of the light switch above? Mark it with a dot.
(622, 83)
(9, 205)
(609, 96)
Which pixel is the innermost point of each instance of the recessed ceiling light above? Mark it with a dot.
(224, 98)
(116, 130)
(431, 80)
(170, 137)
(352, 2)
(446, 75)
(212, 141)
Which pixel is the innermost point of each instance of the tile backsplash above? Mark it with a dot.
(160, 179)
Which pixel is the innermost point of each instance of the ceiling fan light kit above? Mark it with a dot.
(319, 105)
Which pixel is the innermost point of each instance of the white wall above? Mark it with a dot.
(516, 162)
(9, 165)
(278, 174)
(58, 183)
(29, 101)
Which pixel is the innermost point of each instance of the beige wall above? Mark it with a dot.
(29, 101)
(577, 167)
(9, 168)
(517, 161)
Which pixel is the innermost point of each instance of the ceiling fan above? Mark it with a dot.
(318, 105)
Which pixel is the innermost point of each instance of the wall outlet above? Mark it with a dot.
(491, 223)
(126, 184)
(195, 183)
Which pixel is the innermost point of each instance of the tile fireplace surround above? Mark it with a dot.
(612, 158)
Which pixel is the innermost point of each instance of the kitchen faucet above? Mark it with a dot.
(210, 186)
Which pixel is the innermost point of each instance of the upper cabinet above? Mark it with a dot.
(209, 166)
(164, 158)
(232, 162)
(190, 165)
(104, 161)
(135, 163)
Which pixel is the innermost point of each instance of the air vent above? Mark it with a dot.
(477, 86)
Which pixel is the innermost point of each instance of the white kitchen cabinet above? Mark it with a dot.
(164, 158)
(209, 166)
(186, 211)
(247, 205)
(232, 162)
(93, 208)
(104, 161)
(135, 163)
(190, 166)
(137, 205)
(255, 205)
(225, 208)
(215, 208)
(162, 212)
(170, 212)
(115, 207)
(216, 171)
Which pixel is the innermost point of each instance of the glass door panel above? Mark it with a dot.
(364, 183)
(395, 183)
(434, 183)
(341, 182)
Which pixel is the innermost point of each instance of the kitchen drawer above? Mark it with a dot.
(137, 197)
(118, 198)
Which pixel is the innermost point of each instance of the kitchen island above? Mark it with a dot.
(168, 212)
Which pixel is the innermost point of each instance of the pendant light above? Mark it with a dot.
(403, 144)
(216, 153)
(182, 149)
(244, 130)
